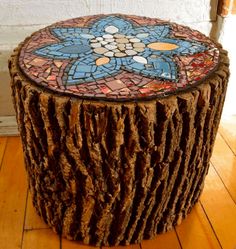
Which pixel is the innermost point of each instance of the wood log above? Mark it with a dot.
(109, 173)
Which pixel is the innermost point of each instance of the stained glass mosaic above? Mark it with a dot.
(118, 57)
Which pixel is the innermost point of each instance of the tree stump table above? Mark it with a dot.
(118, 115)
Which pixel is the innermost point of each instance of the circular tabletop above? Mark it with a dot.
(118, 57)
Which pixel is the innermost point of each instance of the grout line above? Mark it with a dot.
(226, 142)
(23, 230)
(203, 21)
(210, 224)
(24, 25)
(178, 239)
(47, 24)
(3, 153)
(223, 183)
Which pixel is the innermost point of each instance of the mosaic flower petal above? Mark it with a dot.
(86, 70)
(123, 26)
(186, 47)
(160, 67)
(150, 33)
(64, 50)
(69, 33)
(182, 47)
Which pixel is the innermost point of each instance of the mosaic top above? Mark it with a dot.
(118, 57)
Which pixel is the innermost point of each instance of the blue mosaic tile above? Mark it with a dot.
(75, 49)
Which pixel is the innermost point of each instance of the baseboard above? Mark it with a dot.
(8, 126)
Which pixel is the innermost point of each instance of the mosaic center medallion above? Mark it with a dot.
(118, 57)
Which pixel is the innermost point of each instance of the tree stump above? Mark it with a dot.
(118, 116)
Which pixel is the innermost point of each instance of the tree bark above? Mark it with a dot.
(109, 173)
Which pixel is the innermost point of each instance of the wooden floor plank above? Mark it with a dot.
(220, 209)
(228, 130)
(3, 142)
(40, 239)
(32, 219)
(13, 192)
(224, 161)
(122, 247)
(67, 244)
(163, 241)
(195, 231)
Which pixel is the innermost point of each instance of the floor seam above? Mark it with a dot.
(3, 154)
(223, 183)
(211, 225)
(225, 140)
(178, 239)
(23, 230)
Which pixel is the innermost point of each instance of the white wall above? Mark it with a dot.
(228, 39)
(19, 18)
(28, 12)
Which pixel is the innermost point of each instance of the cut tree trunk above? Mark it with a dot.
(110, 173)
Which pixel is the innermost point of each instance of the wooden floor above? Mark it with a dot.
(211, 224)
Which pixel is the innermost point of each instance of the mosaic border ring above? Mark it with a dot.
(118, 57)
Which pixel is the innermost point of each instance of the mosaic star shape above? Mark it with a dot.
(113, 43)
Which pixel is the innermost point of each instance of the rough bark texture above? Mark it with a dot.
(115, 173)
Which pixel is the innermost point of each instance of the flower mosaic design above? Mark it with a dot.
(113, 43)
